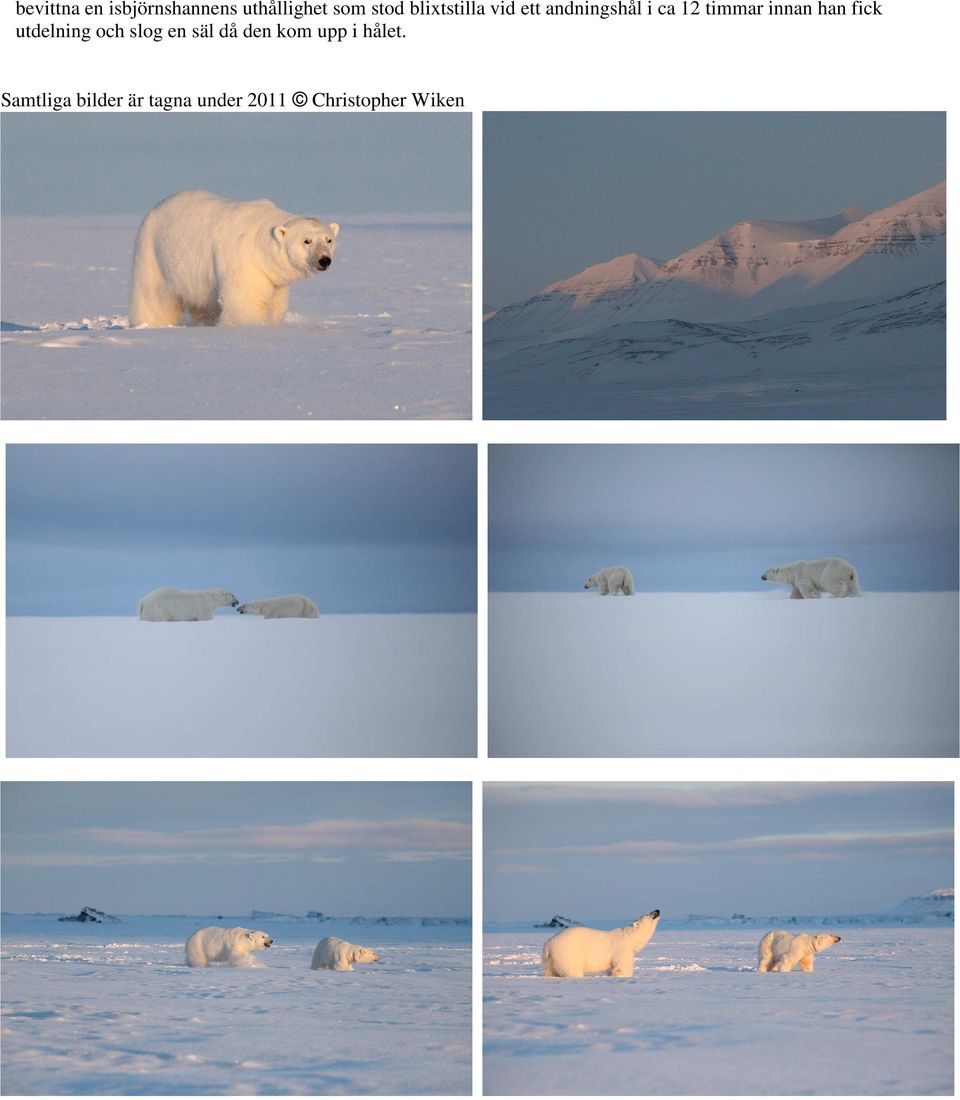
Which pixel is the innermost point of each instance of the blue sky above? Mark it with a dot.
(713, 518)
(562, 191)
(612, 851)
(345, 849)
(319, 165)
(91, 529)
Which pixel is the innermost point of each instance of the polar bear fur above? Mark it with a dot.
(229, 945)
(332, 953)
(613, 579)
(782, 951)
(808, 580)
(222, 262)
(281, 607)
(578, 951)
(184, 605)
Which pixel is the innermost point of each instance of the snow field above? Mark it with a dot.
(341, 685)
(384, 334)
(723, 674)
(874, 1018)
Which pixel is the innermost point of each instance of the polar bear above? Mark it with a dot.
(332, 953)
(613, 579)
(184, 605)
(229, 945)
(281, 607)
(578, 951)
(222, 262)
(809, 579)
(782, 951)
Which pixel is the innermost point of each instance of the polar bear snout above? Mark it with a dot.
(655, 913)
(323, 262)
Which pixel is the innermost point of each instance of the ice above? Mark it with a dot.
(874, 1018)
(340, 685)
(96, 1009)
(723, 674)
(385, 334)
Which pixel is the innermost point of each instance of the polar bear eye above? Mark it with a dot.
(308, 241)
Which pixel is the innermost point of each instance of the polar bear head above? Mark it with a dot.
(223, 597)
(642, 929)
(255, 941)
(364, 955)
(824, 940)
(778, 575)
(308, 244)
(592, 582)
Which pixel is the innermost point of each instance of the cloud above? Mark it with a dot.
(680, 795)
(145, 859)
(799, 846)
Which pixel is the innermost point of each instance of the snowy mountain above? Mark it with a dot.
(756, 315)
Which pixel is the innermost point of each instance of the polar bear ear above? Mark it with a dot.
(334, 229)
(279, 232)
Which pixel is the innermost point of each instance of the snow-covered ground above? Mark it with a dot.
(874, 1018)
(113, 1009)
(340, 685)
(723, 674)
(384, 334)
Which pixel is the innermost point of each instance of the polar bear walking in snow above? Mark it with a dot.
(184, 605)
(229, 945)
(578, 951)
(808, 580)
(222, 262)
(613, 579)
(332, 953)
(281, 607)
(782, 951)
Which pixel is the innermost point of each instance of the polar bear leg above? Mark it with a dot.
(622, 967)
(152, 303)
(604, 588)
(795, 593)
(243, 959)
(280, 304)
(784, 966)
(246, 302)
(806, 963)
(808, 590)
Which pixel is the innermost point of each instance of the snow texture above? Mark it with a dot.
(874, 1018)
(340, 685)
(839, 318)
(94, 1009)
(385, 334)
(723, 674)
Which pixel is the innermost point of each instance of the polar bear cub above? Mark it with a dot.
(229, 945)
(281, 607)
(782, 951)
(613, 579)
(223, 262)
(808, 580)
(184, 605)
(578, 951)
(332, 953)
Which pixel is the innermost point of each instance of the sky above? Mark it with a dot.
(563, 191)
(91, 529)
(329, 165)
(714, 518)
(343, 849)
(613, 851)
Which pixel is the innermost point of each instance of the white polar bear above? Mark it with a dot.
(281, 607)
(782, 951)
(229, 945)
(223, 262)
(184, 605)
(332, 953)
(809, 579)
(578, 951)
(613, 579)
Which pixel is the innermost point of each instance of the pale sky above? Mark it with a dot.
(613, 851)
(344, 849)
(713, 518)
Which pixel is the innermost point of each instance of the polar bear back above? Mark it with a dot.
(169, 605)
(281, 607)
(227, 945)
(333, 953)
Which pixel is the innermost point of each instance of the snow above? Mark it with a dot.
(384, 334)
(766, 320)
(95, 1009)
(874, 1018)
(340, 685)
(723, 674)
